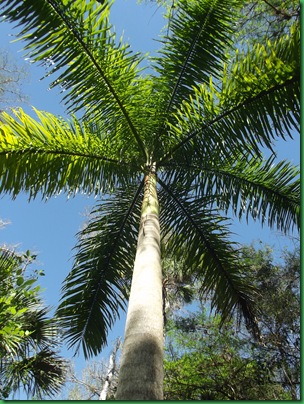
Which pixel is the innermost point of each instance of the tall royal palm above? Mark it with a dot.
(170, 150)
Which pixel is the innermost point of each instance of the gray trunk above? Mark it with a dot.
(141, 371)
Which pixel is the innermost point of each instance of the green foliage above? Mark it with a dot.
(104, 261)
(206, 362)
(28, 339)
(199, 117)
(279, 286)
(68, 151)
(259, 19)
(16, 293)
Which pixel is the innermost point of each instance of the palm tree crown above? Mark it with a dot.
(196, 121)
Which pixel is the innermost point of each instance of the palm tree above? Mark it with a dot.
(173, 151)
(29, 340)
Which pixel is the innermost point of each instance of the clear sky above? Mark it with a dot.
(49, 228)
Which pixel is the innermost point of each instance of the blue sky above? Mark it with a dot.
(49, 228)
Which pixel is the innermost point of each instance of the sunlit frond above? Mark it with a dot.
(97, 73)
(246, 186)
(52, 156)
(251, 187)
(258, 101)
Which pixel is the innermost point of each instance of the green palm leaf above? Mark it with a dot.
(245, 186)
(259, 100)
(98, 74)
(97, 286)
(200, 33)
(28, 338)
(59, 156)
(254, 187)
(40, 374)
(36, 366)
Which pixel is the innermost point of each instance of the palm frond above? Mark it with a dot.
(8, 260)
(264, 190)
(42, 331)
(52, 155)
(247, 186)
(42, 373)
(97, 74)
(203, 234)
(96, 288)
(200, 32)
(259, 101)
(28, 338)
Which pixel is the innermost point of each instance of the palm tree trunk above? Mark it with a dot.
(141, 371)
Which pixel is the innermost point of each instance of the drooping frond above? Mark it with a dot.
(259, 100)
(97, 73)
(96, 289)
(52, 155)
(37, 366)
(246, 186)
(201, 235)
(264, 190)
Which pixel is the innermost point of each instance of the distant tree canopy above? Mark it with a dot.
(267, 19)
(279, 286)
(204, 362)
(260, 19)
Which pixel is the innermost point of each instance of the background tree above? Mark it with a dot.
(12, 78)
(185, 137)
(206, 362)
(98, 380)
(279, 285)
(28, 337)
(259, 19)
(267, 19)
